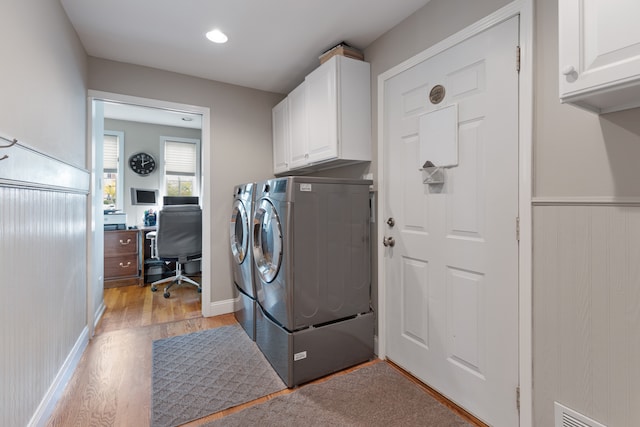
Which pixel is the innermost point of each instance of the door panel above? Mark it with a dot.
(452, 276)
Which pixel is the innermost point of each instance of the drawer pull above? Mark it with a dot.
(125, 266)
(123, 243)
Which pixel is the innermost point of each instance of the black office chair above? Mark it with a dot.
(179, 239)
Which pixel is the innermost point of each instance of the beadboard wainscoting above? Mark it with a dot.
(43, 267)
(586, 305)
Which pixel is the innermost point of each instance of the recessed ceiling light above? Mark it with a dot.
(217, 36)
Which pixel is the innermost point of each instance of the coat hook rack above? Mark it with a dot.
(12, 142)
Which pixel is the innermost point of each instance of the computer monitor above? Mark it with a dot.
(140, 196)
(180, 200)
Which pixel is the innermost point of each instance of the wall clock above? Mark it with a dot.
(142, 163)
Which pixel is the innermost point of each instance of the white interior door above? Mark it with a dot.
(452, 275)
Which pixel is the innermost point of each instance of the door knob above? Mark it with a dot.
(389, 241)
(391, 222)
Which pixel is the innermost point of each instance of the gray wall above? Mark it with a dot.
(241, 144)
(143, 137)
(43, 86)
(45, 75)
(43, 80)
(585, 288)
(577, 153)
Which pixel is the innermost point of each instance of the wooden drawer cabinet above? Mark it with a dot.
(121, 258)
(120, 266)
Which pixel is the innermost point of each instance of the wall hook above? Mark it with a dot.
(11, 141)
(11, 144)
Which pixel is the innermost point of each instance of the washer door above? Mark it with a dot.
(267, 241)
(239, 232)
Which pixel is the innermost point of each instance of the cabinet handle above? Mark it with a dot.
(125, 243)
(125, 266)
(568, 70)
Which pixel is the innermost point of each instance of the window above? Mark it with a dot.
(112, 186)
(181, 160)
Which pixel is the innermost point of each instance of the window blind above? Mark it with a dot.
(110, 154)
(180, 158)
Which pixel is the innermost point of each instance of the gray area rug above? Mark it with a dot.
(198, 374)
(375, 395)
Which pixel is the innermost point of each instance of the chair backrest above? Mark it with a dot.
(180, 200)
(179, 233)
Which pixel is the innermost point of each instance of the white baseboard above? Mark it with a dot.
(218, 308)
(48, 403)
(98, 315)
(375, 345)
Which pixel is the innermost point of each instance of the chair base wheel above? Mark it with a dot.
(153, 289)
(167, 294)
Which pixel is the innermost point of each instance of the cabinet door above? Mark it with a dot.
(599, 45)
(280, 119)
(298, 149)
(322, 111)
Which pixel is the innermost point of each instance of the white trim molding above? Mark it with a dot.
(586, 201)
(525, 10)
(218, 308)
(29, 168)
(206, 189)
(50, 399)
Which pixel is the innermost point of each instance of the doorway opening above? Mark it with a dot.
(108, 110)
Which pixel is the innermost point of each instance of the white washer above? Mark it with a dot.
(241, 257)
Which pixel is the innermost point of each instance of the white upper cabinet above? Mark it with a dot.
(322, 93)
(280, 126)
(298, 149)
(599, 54)
(329, 117)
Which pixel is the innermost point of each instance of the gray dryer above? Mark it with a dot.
(312, 257)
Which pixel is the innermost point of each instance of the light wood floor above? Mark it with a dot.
(112, 383)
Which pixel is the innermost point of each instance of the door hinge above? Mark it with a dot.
(518, 398)
(518, 59)
(518, 228)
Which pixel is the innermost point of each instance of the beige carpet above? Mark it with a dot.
(375, 395)
(197, 374)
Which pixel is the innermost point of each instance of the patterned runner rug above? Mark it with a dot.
(198, 374)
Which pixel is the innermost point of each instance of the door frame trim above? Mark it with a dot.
(205, 189)
(524, 9)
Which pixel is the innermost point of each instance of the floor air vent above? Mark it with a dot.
(566, 417)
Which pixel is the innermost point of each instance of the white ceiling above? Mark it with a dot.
(136, 113)
(272, 44)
